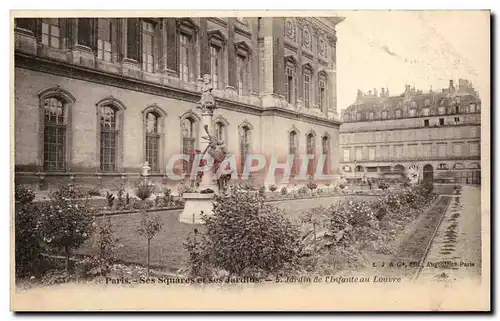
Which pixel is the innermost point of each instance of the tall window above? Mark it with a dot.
(184, 56)
(245, 145)
(188, 142)
(398, 151)
(51, 32)
(241, 73)
(84, 31)
(219, 131)
(359, 153)
(104, 39)
(413, 112)
(346, 155)
(457, 149)
(289, 85)
(310, 149)
(153, 141)
(215, 61)
(358, 116)
(147, 46)
(292, 149)
(426, 111)
(474, 149)
(109, 134)
(307, 88)
(371, 115)
(371, 153)
(322, 94)
(54, 135)
(427, 150)
(442, 150)
(325, 149)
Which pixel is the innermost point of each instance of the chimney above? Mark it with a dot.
(375, 92)
(430, 90)
(382, 93)
(369, 92)
(451, 88)
(386, 92)
(359, 94)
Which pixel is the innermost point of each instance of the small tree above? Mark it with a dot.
(66, 222)
(110, 199)
(273, 188)
(149, 227)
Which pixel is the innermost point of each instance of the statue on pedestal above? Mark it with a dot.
(218, 150)
(207, 101)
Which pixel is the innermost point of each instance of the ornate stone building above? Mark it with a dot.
(97, 97)
(438, 131)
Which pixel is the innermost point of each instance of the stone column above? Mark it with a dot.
(207, 181)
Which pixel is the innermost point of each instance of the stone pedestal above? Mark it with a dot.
(195, 204)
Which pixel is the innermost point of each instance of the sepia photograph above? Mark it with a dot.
(250, 160)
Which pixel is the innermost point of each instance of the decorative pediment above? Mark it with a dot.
(307, 66)
(291, 59)
(216, 37)
(242, 48)
(322, 74)
(187, 25)
(311, 132)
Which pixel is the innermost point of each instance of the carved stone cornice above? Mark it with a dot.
(63, 69)
(332, 40)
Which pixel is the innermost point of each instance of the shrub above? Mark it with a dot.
(284, 191)
(167, 196)
(110, 199)
(66, 222)
(94, 191)
(23, 194)
(28, 248)
(120, 200)
(383, 185)
(262, 191)
(303, 190)
(106, 244)
(312, 185)
(245, 237)
(143, 190)
(273, 188)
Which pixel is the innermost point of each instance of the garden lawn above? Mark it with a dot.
(167, 250)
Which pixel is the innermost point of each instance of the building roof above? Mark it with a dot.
(463, 94)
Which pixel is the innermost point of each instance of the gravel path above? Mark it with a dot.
(456, 250)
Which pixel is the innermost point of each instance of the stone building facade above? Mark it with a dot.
(437, 131)
(97, 97)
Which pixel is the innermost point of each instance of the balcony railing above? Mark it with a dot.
(412, 158)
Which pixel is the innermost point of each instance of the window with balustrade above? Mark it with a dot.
(104, 39)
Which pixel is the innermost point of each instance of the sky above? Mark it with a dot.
(421, 48)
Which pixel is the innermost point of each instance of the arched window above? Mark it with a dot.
(54, 134)
(347, 117)
(292, 149)
(426, 111)
(371, 115)
(154, 137)
(358, 116)
(290, 80)
(311, 151)
(219, 130)
(398, 113)
(152, 140)
(413, 112)
(384, 114)
(110, 117)
(427, 102)
(109, 134)
(189, 141)
(245, 143)
(54, 153)
(325, 149)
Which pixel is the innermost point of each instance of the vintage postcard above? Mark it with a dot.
(250, 161)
